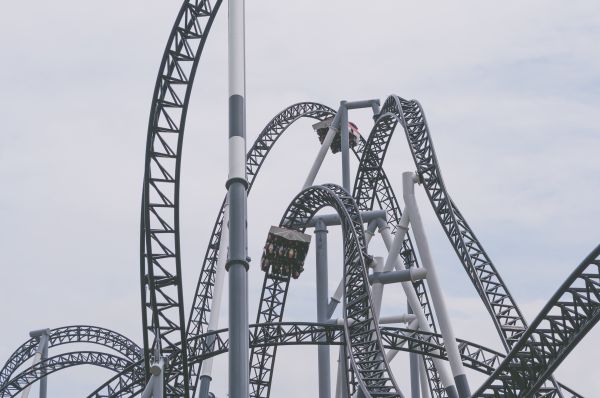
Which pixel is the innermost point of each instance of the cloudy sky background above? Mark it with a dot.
(511, 95)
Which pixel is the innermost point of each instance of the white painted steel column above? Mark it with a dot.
(215, 311)
(237, 184)
(393, 246)
(333, 129)
(437, 295)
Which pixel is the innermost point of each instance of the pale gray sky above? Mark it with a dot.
(511, 94)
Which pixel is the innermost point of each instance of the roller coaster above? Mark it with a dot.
(176, 354)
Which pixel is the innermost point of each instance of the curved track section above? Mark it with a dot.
(72, 334)
(60, 362)
(199, 315)
(563, 322)
(372, 184)
(503, 309)
(160, 263)
(214, 343)
(362, 335)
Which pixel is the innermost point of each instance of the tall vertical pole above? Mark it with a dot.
(345, 144)
(437, 296)
(237, 264)
(44, 380)
(322, 304)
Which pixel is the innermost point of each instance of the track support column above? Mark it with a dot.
(237, 185)
(408, 184)
(322, 305)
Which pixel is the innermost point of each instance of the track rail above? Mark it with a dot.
(72, 334)
(160, 263)
(214, 343)
(60, 362)
(496, 297)
(364, 346)
(372, 185)
(563, 322)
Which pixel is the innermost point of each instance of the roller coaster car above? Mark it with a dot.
(323, 127)
(284, 252)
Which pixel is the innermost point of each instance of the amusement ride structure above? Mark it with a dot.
(176, 354)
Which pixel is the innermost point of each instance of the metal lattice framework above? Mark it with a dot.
(569, 315)
(534, 352)
(163, 314)
(72, 334)
(363, 339)
(60, 362)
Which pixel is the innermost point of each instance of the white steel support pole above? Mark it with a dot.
(393, 246)
(237, 184)
(345, 146)
(333, 129)
(423, 378)
(414, 369)
(41, 354)
(213, 323)
(408, 183)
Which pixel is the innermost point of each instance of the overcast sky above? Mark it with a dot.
(511, 94)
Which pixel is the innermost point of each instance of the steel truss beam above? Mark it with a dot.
(563, 322)
(63, 361)
(160, 263)
(214, 343)
(72, 334)
(487, 281)
(364, 347)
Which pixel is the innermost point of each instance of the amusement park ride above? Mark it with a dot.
(176, 355)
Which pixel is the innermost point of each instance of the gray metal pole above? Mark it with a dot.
(44, 380)
(345, 146)
(414, 370)
(312, 174)
(322, 304)
(237, 264)
(437, 295)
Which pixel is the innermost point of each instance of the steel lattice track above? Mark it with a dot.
(563, 322)
(364, 347)
(214, 343)
(160, 264)
(72, 334)
(372, 184)
(63, 361)
(505, 313)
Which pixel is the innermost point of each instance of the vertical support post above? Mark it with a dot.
(322, 305)
(333, 129)
(394, 261)
(213, 323)
(423, 378)
(341, 390)
(414, 369)
(44, 380)
(345, 141)
(437, 296)
(237, 184)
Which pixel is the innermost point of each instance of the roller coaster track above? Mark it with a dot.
(160, 263)
(215, 343)
(72, 334)
(563, 322)
(60, 362)
(371, 184)
(505, 313)
(363, 339)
